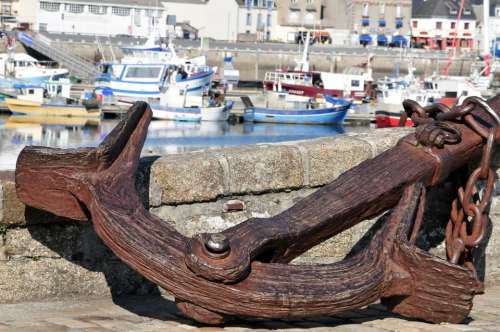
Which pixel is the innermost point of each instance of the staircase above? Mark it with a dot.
(77, 65)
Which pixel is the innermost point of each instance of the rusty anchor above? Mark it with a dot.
(243, 270)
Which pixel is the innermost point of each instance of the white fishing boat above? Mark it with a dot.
(391, 92)
(175, 104)
(145, 69)
(21, 66)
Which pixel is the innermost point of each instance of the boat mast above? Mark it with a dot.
(303, 64)
(486, 37)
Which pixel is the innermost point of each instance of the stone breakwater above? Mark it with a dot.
(45, 257)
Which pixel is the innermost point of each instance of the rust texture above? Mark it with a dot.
(243, 271)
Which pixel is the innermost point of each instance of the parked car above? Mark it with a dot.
(317, 37)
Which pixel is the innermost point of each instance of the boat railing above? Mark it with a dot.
(286, 76)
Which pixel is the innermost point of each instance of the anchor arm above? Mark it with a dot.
(361, 193)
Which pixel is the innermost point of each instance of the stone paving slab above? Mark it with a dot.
(148, 314)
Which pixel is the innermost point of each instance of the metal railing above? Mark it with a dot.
(76, 64)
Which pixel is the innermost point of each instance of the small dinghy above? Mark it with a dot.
(280, 110)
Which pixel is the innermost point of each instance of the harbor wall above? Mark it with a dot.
(47, 257)
(254, 64)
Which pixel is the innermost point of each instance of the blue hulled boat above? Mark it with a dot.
(332, 111)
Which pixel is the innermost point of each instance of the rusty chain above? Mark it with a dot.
(468, 221)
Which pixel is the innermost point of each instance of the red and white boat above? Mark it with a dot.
(355, 83)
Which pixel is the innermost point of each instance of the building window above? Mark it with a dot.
(365, 9)
(309, 18)
(50, 6)
(6, 9)
(137, 17)
(310, 2)
(466, 25)
(269, 20)
(98, 10)
(497, 11)
(74, 8)
(249, 19)
(293, 2)
(42, 26)
(439, 25)
(120, 11)
(414, 24)
(153, 13)
(293, 17)
(453, 25)
(259, 20)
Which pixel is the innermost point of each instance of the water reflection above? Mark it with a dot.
(164, 137)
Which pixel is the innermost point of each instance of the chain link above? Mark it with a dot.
(468, 221)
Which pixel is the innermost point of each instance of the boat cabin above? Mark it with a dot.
(50, 89)
(29, 92)
(351, 81)
(149, 73)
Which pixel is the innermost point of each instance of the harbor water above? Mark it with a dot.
(164, 137)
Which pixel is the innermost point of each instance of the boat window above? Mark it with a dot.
(143, 72)
(355, 83)
(31, 91)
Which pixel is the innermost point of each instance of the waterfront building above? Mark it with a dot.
(219, 19)
(99, 17)
(434, 24)
(345, 20)
(257, 20)
(493, 24)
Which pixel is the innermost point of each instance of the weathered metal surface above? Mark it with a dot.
(242, 271)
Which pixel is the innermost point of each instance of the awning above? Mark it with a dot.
(497, 51)
(381, 23)
(365, 22)
(399, 40)
(365, 38)
(382, 40)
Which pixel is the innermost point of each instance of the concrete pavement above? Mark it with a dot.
(158, 313)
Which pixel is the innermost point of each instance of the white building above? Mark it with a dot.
(218, 19)
(434, 24)
(135, 18)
